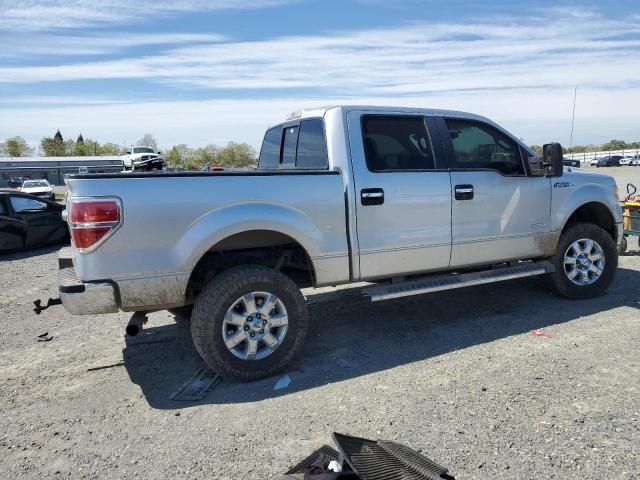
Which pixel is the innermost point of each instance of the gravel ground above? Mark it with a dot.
(457, 375)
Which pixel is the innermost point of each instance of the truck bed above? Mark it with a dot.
(171, 219)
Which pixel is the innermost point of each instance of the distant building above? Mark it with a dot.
(54, 169)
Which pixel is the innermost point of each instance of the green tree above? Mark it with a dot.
(148, 141)
(237, 155)
(15, 147)
(53, 147)
(69, 148)
(536, 148)
(204, 156)
(110, 149)
(173, 157)
(179, 156)
(615, 145)
(80, 146)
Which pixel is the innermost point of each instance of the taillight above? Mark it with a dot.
(92, 220)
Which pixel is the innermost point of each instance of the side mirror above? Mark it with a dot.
(552, 159)
(159, 153)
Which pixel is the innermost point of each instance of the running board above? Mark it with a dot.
(452, 280)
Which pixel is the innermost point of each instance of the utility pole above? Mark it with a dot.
(573, 117)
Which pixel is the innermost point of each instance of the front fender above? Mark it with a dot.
(565, 201)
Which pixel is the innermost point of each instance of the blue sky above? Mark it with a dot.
(210, 71)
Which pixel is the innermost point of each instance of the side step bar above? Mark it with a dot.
(450, 281)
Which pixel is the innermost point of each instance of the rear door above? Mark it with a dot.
(403, 194)
(499, 211)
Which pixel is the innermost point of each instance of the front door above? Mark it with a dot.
(403, 194)
(499, 212)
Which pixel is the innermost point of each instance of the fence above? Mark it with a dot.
(586, 156)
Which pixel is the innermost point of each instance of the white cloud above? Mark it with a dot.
(507, 53)
(517, 70)
(57, 14)
(33, 45)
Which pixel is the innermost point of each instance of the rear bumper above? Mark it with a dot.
(83, 298)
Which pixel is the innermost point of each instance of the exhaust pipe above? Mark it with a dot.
(136, 323)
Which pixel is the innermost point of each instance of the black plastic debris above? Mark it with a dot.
(324, 452)
(368, 460)
(45, 337)
(387, 460)
(50, 303)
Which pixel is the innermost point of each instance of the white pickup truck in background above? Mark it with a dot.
(142, 158)
(411, 200)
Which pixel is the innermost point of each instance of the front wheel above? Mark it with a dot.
(623, 246)
(585, 261)
(249, 322)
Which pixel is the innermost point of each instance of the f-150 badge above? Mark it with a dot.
(562, 185)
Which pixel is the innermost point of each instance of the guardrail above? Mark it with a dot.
(587, 156)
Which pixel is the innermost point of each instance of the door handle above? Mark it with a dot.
(372, 196)
(463, 192)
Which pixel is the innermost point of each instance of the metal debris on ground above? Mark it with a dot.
(197, 387)
(45, 337)
(104, 367)
(283, 382)
(540, 333)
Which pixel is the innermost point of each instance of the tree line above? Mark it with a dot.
(182, 156)
(178, 156)
(611, 145)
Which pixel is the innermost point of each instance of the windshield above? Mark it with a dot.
(35, 183)
(143, 150)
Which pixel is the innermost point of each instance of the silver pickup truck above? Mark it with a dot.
(409, 200)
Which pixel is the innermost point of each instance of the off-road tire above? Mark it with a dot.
(218, 296)
(623, 245)
(559, 279)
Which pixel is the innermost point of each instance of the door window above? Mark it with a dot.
(396, 143)
(477, 145)
(3, 210)
(23, 204)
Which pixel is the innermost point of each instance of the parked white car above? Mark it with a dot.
(635, 162)
(39, 188)
(594, 162)
(625, 161)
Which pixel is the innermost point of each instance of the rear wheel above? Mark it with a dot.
(249, 322)
(585, 261)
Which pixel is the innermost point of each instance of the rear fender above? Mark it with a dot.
(215, 226)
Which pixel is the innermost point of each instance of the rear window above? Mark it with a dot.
(289, 146)
(295, 146)
(312, 147)
(270, 151)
